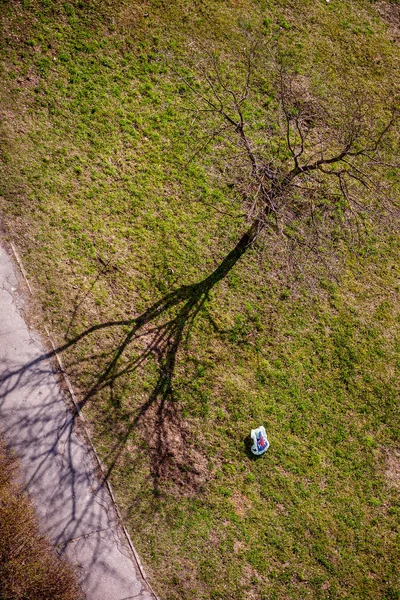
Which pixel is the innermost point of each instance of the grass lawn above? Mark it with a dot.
(113, 209)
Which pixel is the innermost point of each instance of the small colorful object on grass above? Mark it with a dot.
(261, 443)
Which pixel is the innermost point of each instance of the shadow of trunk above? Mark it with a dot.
(173, 457)
(166, 322)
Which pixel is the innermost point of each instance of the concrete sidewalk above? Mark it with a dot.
(59, 469)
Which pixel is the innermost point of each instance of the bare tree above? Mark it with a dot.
(325, 177)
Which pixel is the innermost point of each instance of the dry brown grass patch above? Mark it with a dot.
(391, 14)
(29, 567)
(392, 468)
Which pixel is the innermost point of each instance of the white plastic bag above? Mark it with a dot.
(261, 443)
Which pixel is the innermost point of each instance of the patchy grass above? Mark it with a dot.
(29, 567)
(112, 211)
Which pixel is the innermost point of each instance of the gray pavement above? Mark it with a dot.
(58, 468)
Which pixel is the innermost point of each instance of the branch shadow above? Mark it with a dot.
(45, 432)
(59, 473)
(166, 323)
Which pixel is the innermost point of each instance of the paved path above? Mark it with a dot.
(58, 468)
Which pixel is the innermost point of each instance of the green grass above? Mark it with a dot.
(111, 211)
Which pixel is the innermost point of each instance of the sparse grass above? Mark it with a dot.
(29, 567)
(110, 214)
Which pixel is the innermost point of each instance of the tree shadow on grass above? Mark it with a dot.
(58, 469)
(163, 327)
